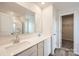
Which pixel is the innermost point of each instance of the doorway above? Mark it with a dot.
(67, 31)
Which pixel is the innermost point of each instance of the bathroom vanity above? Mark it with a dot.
(37, 50)
(31, 46)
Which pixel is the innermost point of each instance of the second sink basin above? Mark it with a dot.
(18, 47)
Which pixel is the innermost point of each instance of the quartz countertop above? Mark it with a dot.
(11, 49)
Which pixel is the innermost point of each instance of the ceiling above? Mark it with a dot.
(67, 5)
(14, 7)
(60, 5)
(42, 5)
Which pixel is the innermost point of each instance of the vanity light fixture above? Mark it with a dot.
(42, 3)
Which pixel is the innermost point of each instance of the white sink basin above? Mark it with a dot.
(16, 48)
(17, 45)
(3, 52)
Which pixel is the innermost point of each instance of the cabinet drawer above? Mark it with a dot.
(29, 52)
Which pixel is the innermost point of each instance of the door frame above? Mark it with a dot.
(60, 28)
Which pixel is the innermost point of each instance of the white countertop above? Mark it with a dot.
(13, 49)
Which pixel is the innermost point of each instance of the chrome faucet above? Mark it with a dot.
(39, 34)
(16, 34)
(17, 40)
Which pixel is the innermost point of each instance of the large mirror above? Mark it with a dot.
(15, 18)
(28, 25)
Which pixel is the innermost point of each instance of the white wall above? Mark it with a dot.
(47, 14)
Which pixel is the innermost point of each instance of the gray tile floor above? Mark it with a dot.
(66, 50)
(63, 52)
(67, 44)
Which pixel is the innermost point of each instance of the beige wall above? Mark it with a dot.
(67, 27)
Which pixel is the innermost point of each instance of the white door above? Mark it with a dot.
(54, 36)
(76, 32)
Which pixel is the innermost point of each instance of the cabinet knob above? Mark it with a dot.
(54, 34)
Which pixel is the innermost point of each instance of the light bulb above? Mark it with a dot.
(42, 3)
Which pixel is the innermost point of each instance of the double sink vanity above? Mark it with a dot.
(32, 45)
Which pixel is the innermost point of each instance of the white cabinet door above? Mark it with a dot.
(47, 46)
(41, 48)
(29, 52)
